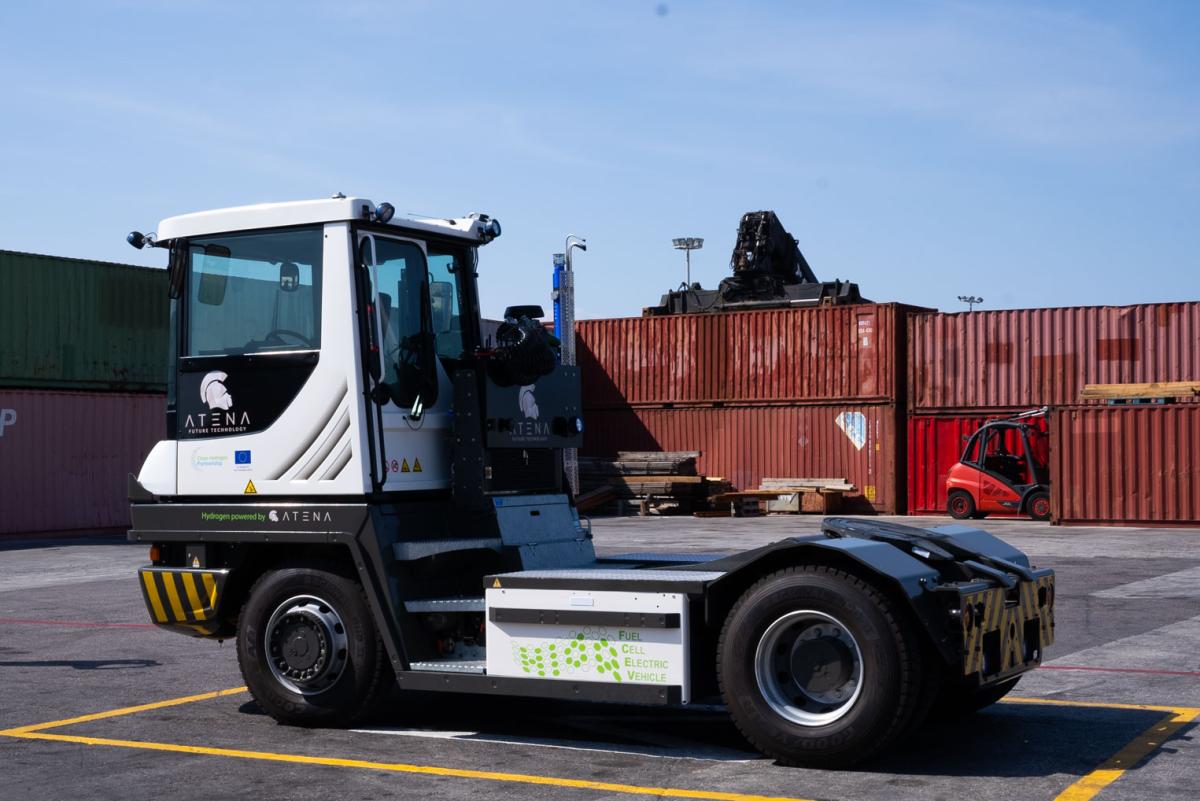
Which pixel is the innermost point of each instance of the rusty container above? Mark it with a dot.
(64, 457)
(1137, 465)
(833, 354)
(935, 444)
(1036, 357)
(745, 444)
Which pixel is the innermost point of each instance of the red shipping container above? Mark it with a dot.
(1126, 464)
(64, 457)
(1038, 357)
(833, 354)
(935, 444)
(745, 444)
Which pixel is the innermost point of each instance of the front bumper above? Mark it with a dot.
(1005, 630)
(186, 600)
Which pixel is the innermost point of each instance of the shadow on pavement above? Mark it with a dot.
(1003, 741)
(86, 664)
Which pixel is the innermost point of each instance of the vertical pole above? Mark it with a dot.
(689, 267)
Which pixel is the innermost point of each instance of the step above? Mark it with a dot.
(477, 667)
(459, 603)
(409, 550)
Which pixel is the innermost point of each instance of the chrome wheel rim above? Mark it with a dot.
(306, 644)
(809, 668)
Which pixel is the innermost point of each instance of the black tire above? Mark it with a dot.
(1039, 505)
(827, 728)
(960, 505)
(956, 702)
(351, 679)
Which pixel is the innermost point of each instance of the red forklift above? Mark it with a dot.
(1003, 469)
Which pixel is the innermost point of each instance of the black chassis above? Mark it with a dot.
(986, 614)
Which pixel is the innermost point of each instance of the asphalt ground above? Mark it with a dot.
(1112, 714)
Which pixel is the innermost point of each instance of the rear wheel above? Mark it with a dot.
(816, 667)
(960, 505)
(1039, 505)
(308, 649)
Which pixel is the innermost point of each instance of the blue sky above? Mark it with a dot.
(1031, 154)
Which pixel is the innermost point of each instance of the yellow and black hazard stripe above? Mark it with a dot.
(184, 597)
(1002, 613)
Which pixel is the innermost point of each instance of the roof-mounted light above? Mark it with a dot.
(140, 240)
(384, 212)
(491, 229)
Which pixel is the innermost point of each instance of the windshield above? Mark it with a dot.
(254, 292)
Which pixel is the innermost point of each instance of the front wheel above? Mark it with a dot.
(1039, 505)
(817, 668)
(308, 649)
(960, 505)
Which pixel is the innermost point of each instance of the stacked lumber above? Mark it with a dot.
(1154, 392)
(645, 480)
(815, 495)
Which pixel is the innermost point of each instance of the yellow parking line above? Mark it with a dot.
(1084, 789)
(427, 770)
(1141, 747)
(21, 731)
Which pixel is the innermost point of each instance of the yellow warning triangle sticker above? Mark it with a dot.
(250, 490)
(496, 584)
(404, 466)
(416, 465)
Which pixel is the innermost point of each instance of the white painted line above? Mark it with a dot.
(1184, 584)
(691, 750)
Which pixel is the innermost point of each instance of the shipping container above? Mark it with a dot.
(81, 325)
(1038, 357)
(64, 457)
(862, 443)
(1126, 464)
(936, 443)
(832, 354)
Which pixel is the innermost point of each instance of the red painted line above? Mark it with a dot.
(79, 624)
(1193, 673)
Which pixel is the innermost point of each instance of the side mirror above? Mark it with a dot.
(289, 277)
(441, 302)
(214, 274)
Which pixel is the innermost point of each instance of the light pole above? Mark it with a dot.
(970, 300)
(687, 244)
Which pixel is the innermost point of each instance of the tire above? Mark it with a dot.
(956, 702)
(337, 667)
(960, 505)
(861, 659)
(1039, 505)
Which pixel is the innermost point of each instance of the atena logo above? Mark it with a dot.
(213, 391)
(528, 402)
(221, 417)
(299, 516)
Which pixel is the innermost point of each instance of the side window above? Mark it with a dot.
(403, 287)
(254, 293)
(444, 266)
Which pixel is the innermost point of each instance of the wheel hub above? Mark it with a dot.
(809, 668)
(306, 644)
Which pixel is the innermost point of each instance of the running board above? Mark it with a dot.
(466, 666)
(457, 604)
(481, 684)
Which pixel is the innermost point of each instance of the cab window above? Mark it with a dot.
(402, 275)
(446, 303)
(254, 293)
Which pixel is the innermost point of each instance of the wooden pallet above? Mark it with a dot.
(1158, 389)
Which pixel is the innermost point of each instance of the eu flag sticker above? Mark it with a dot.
(241, 457)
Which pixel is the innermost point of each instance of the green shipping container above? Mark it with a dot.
(78, 324)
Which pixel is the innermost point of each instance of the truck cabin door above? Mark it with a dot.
(413, 315)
